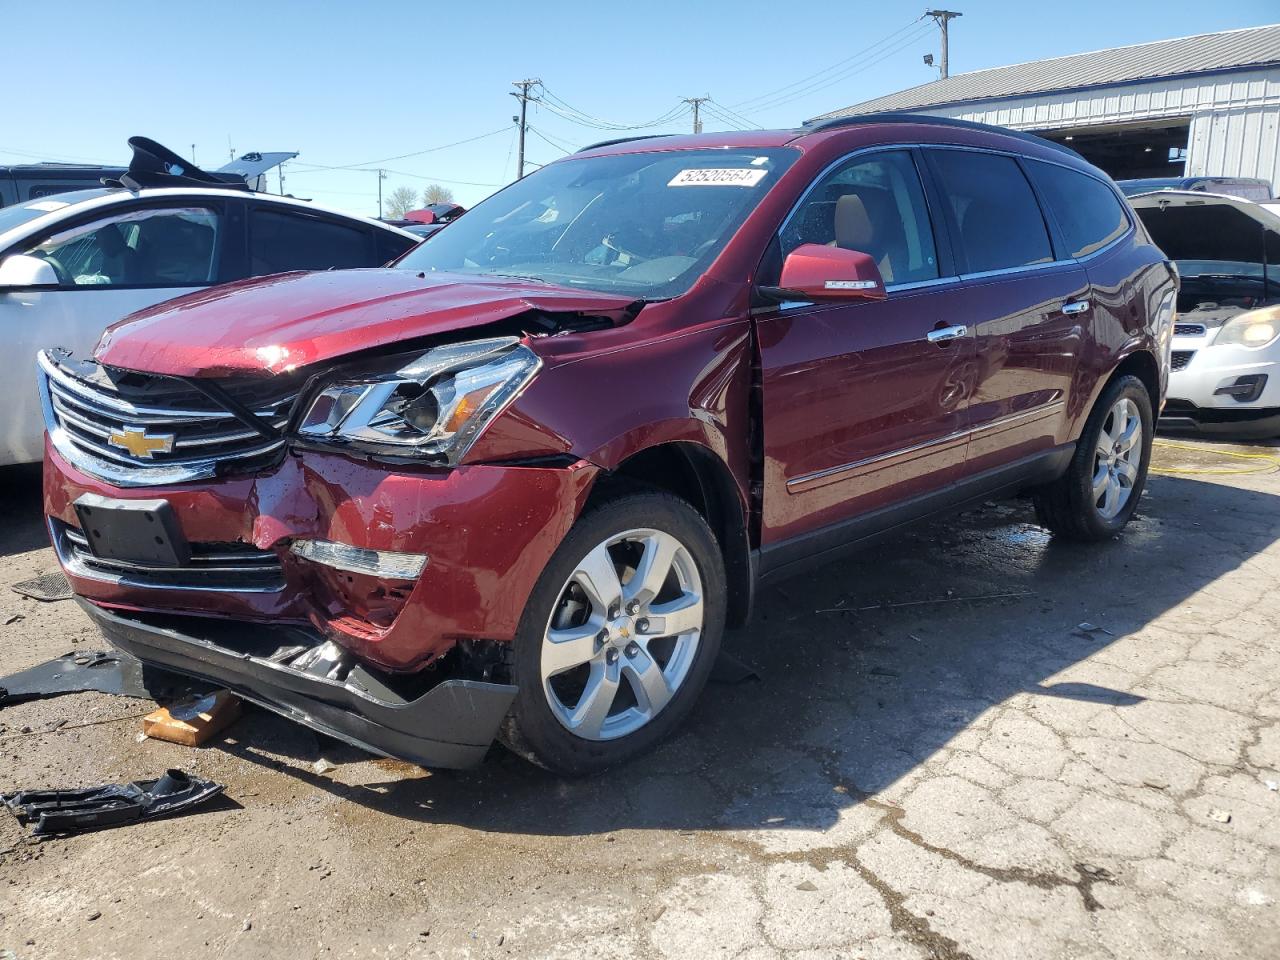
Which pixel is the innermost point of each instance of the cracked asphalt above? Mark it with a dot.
(1081, 766)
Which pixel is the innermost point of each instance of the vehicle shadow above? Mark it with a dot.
(867, 668)
(20, 510)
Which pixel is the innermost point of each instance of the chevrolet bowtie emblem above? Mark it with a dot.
(141, 444)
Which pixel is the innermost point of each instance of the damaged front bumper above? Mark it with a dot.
(294, 672)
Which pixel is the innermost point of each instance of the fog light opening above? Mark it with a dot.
(1245, 389)
(375, 563)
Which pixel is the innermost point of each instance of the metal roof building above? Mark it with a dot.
(1207, 105)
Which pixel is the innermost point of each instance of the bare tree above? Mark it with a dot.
(399, 202)
(434, 193)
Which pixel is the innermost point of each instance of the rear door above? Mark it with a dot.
(1028, 309)
(861, 409)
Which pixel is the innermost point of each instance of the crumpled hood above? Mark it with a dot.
(278, 323)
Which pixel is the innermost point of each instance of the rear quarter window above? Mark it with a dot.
(282, 241)
(1087, 210)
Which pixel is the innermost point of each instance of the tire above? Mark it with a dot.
(1069, 507)
(623, 650)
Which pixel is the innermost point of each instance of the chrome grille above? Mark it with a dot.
(1188, 329)
(213, 566)
(156, 430)
(1180, 359)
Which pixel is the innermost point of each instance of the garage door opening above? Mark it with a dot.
(1130, 151)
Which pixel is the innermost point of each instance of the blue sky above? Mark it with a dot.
(352, 85)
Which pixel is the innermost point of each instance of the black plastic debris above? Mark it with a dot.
(94, 808)
(47, 587)
(104, 671)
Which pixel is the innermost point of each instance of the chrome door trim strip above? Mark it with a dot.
(832, 474)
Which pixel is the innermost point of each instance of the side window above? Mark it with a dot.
(280, 241)
(994, 210)
(1087, 210)
(874, 204)
(151, 248)
(390, 245)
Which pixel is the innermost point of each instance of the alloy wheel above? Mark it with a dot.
(623, 634)
(1117, 458)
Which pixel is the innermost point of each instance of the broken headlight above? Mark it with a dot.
(433, 407)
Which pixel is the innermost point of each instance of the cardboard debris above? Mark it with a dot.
(194, 721)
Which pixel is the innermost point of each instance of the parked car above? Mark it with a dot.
(1225, 375)
(425, 222)
(73, 264)
(34, 181)
(519, 484)
(1247, 188)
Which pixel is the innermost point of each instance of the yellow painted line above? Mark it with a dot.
(1270, 464)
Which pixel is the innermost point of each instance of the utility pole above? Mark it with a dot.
(382, 175)
(696, 102)
(280, 174)
(524, 86)
(193, 155)
(942, 18)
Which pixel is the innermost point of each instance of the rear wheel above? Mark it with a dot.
(1099, 492)
(619, 635)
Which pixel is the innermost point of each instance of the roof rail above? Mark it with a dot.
(611, 143)
(816, 126)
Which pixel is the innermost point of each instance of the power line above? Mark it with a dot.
(567, 111)
(845, 74)
(551, 141)
(423, 176)
(317, 167)
(783, 96)
(734, 118)
(57, 157)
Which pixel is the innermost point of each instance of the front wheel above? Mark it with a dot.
(1099, 492)
(619, 635)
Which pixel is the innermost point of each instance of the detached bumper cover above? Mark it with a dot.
(451, 724)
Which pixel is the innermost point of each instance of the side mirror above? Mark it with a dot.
(23, 272)
(813, 271)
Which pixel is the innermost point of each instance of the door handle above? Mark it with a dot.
(943, 334)
(1076, 306)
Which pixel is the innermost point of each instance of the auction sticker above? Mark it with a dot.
(718, 177)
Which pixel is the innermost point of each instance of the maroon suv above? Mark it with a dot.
(518, 484)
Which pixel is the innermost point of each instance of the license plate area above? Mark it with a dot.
(143, 532)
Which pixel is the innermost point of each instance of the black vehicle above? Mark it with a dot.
(32, 181)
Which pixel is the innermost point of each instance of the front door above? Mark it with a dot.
(863, 402)
(107, 269)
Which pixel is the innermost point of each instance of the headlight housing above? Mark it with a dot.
(1254, 328)
(433, 407)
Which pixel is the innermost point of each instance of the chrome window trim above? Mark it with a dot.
(1124, 206)
(958, 277)
(831, 474)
